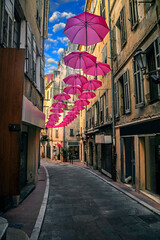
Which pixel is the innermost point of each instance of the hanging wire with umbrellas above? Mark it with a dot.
(73, 90)
(59, 105)
(61, 97)
(92, 84)
(96, 69)
(87, 95)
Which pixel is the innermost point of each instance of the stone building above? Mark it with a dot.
(23, 29)
(136, 120)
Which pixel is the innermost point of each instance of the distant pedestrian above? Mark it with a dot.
(71, 157)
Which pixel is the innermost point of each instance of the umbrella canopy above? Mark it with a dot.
(81, 102)
(92, 84)
(61, 97)
(55, 115)
(72, 90)
(97, 69)
(56, 110)
(78, 108)
(87, 95)
(59, 105)
(75, 79)
(59, 145)
(86, 29)
(79, 60)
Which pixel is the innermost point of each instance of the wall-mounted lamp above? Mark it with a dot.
(140, 58)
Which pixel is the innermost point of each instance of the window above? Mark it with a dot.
(133, 13)
(121, 25)
(104, 54)
(34, 56)
(116, 99)
(7, 23)
(148, 5)
(51, 92)
(153, 63)
(102, 109)
(16, 36)
(28, 63)
(38, 15)
(106, 105)
(113, 43)
(102, 9)
(138, 85)
(124, 93)
(97, 113)
(48, 95)
(71, 132)
(93, 115)
(56, 133)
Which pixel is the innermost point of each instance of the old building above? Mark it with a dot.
(135, 123)
(23, 29)
(67, 136)
(97, 136)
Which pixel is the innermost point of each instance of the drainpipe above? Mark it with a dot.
(112, 87)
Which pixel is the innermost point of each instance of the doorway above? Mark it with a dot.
(23, 159)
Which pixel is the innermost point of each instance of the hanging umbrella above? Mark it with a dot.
(75, 79)
(92, 84)
(72, 90)
(78, 108)
(78, 60)
(81, 102)
(59, 145)
(59, 105)
(72, 113)
(61, 97)
(87, 95)
(97, 69)
(55, 115)
(56, 110)
(86, 29)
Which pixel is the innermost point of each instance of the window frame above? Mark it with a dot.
(133, 14)
(138, 81)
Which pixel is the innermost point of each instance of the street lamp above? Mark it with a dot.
(140, 58)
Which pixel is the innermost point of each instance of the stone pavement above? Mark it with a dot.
(84, 206)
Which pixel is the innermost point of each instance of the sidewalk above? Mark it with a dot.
(25, 215)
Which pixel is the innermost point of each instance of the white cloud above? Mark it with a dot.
(54, 51)
(56, 15)
(60, 50)
(50, 34)
(52, 40)
(63, 40)
(51, 60)
(58, 26)
(47, 46)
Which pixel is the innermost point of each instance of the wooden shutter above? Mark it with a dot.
(127, 103)
(133, 13)
(34, 57)
(123, 27)
(116, 99)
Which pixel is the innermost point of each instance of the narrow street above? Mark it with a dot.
(82, 206)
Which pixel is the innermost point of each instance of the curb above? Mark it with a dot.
(126, 193)
(37, 227)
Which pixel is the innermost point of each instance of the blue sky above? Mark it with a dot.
(59, 12)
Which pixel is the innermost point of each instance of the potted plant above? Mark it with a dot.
(44, 139)
(64, 153)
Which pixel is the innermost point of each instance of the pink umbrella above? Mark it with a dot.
(75, 79)
(59, 105)
(86, 29)
(73, 113)
(55, 115)
(79, 60)
(97, 69)
(87, 95)
(59, 145)
(92, 84)
(61, 97)
(78, 108)
(81, 102)
(56, 110)
(72, 90)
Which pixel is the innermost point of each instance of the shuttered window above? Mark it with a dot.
(7, 23)
(113, 43)
(104, 54)
(121, 24)
(34, 56)
(116, 99)
(106, 105)
(138, 85)
(127, 103)
(102, 9)
(133, 13)
(102, 108)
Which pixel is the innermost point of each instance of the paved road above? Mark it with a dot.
(83, 207)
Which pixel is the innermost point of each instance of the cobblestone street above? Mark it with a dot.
(82, 206)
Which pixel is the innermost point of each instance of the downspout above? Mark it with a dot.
(112, 87)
